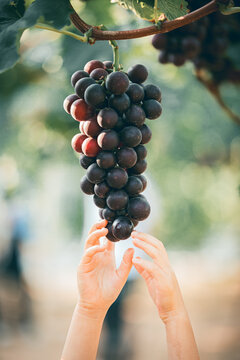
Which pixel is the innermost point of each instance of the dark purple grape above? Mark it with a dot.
(178, 59)
(152, 92)
(120, 124)
(117, 178)
(143, 180)
(159, 41)
(108, 64)
(117, 83)
(191, 46)
(119, 102)
(131, 136)
(122, 228)
(94, 95)
(110, 235)
(152, 109)
(138, 208)
(107, 118)
(106, 160)
(99, 202)
(126, 157)
(138, 73)
(108, 140)
(101, 189)
(68, 102)
(117, 199)
(86, 186)
(86, 161)
(134, 186)
(141, 152)
(135, 93)
(139, 167)
(77, 76)
(135, 115)
(101, 213)
(98, 74)
(146, 134)
(82, 85)
(108, 214)
(122, 212)
(163, 57)
(135, 222)
(95, 174)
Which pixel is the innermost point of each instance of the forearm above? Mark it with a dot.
(180, 338)
(83, 335)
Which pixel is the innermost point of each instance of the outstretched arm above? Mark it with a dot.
(165, 292)
(99, 284)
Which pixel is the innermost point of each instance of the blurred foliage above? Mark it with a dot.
(193, 157)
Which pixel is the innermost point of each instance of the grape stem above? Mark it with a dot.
(84, 38)
(115, 48)
(167, 26)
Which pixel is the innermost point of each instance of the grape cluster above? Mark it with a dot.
(206, 42)
(111, 107)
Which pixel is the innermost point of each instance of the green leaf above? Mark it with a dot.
(14, 19)
(145, 8)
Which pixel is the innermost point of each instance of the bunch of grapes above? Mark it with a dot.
(206, 43)
(111, 107)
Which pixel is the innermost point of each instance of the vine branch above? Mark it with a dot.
(167, 26)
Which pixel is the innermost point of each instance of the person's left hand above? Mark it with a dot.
(99, 281)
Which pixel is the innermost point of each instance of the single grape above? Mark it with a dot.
(80, 110)
(94, 95)
(101, 213)
(117, 83)
(134, 186)
(152, 92)
(108, 140)
(86, 186)
(117, 178)
(131, 136)
(95, 174)
(152, 109)
(138, 73)
(92, 65)
(119, 102)
(107, 118)
(90, 147)
(99, 202)
(91, 127)
(81, 127)
(141, 152)
(101, 189)
(126, 157)
(143, 180)
(108, 64)
(86, 161)
(135, 115)
(122, 228)
(68, 102)
(82, 84)
(117, 199)
(110, 235)
(135, 222)
(77, 142)
(135, 93)
(79, 74)
(98, 74)
(163, 57)
(178, 59)
(106, 159)
(146, 134)
(108, 214)
(120, 124)
(138, 208)
(159, 41)
(139, 167)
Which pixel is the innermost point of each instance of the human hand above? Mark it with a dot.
(159, 276)
(99, 281)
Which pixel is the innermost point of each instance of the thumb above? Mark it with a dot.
(126, 265)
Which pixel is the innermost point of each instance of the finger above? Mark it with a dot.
(150, 240)
(93, 239)
(126, 265)
(153, 252)
(90, 252)
(110, 245)
(145, 265)
(99, 225)
(142, 272)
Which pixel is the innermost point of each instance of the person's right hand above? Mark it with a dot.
(159, 276)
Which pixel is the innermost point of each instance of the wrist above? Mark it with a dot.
(175, 316)
(90, 312)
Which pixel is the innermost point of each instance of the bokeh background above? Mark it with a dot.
(193, 167)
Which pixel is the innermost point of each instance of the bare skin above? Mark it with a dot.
(100, 283)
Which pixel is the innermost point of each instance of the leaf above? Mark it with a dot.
(145, 8)
(15, 18)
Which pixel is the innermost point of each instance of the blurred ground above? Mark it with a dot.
(212, 299)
